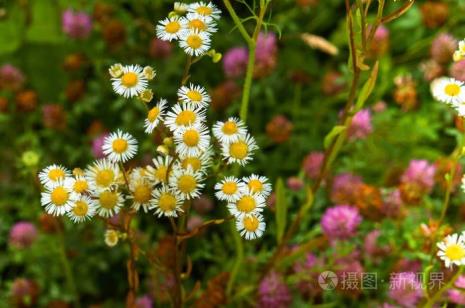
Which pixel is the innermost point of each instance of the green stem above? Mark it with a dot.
(430, 303)
(247, 83)
(237, 21)
(67, 270)
(239, 246)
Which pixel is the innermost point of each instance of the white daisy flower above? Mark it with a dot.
(183, 116)
(205, 9)
(229, 131)
(82, 209)
(239, 151)
(141, 190)
(186, 182)
(194, 43)
(199, 163)
(166, 202)
(53, 174)
(448, 90)
(78, 185)
(170, 28)
(155, 116)
(192, 140)
(102, 175)
(229, 189)
(131, 83)
(258, 184)
(452, 250)
(159, 173)
(200, 23)
(109, 202)
(56, 199)
(194, 94)
(119, 146)
(248, 203)
(251, 226)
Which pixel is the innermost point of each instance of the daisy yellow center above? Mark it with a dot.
(238, 149)
(59, 196)
(251, 223)
(452, 89)
(246, 204)
(229, 128)
(197, 24)
(153, 114)
(80, 208)
(191, 137)
(104, 177)
(204, 10)
(255, 185)
(172, 27)
(193, 162)
(187, 183)
(142, 193)
(194, 95)
(194, 41)
(160, 173)
(167, 202)
(108, 199)
(56, 174)
(129, 79)
(455, 252)
(229, 188)
(186, 118)
(119, 145)
(80, 186)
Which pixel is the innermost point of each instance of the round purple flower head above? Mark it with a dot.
(443, 47)
(76, 25)
(295, 183)
(457, 70)
(97, 144)
(340, 222)
(266, 47)
(343, 187)
(273, 292)
(457, 296)
(421, 173)
(405, 289)
(360, 127)
(11, 78)
(235, 62)
(23, 234)
(144, 302)
(312, 164)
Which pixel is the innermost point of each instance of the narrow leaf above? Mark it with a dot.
(332, 135)
(281, 209)
(367, 87)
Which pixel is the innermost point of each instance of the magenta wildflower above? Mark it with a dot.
(144, 302)
(274, 292)
(308, 271)
(344, 186)
(443, 47)
(235, 62)
(457, 70)
(340, 222)
(393, 204)
(23, 234)
(457, 296)
(11, 78)
(265, 53)
(97, 144)
(77, 25)
(295, 183)
(405, 288)
(421, 173)
(371, 246)
(360, 127)
(193, 222)
(312, 164)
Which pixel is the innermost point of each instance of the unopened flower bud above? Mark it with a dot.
(146, 95)
(163, 150)
(168, 141)
(116, 70)
(30, 158)
(149, 72)
(111, 238)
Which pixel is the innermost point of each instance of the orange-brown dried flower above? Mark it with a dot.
(215, 294)
(279, 129)
(114, 33)
(434, 13)
(405, 93)
(74, 62)
(54, 116)
(3, 104)
(369, 201)
(102, 12)
(26, 100)
(224, 94)
(49, 223)
(444, 166)
(75, 90)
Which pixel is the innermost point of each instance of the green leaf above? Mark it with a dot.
(281, 209)
(338, 129)
(11, 30)
(46, 23)
(367, 87)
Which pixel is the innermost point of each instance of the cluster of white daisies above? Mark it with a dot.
(179, 171)
(450, 90)
(452, 250)
(191, 25)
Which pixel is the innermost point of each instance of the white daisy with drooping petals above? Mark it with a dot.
(229, 189)
(230, 130)
(258, 184)
(141, 190)
(180, 7)
(184, 115)
(194, 94)
(194, 43)
(171, 28)
(155, 116)
(239, 151)
(131, 82)
(192, 140)
(200, 23)
(53, 174)
(166, 202)
(119, 146)
(186, 182)
(199, 163)
(248, 203)
(251, 226)
(56, 199)
(102, 175)
(83, 208)
(109, 202)
(205, 9)
(78, 185)
(452, 250)
(159, 172)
